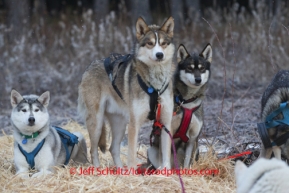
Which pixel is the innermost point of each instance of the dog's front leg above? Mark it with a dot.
(277, 152)
(42, 172)
(189, 150)
(138, 114)
(22, 172)
(191, 145)
(166, 149)
(44, 162)
(266, 153)
(166, 118)
(22, 167)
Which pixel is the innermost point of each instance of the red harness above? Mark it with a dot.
(157, 126)
(183, 128)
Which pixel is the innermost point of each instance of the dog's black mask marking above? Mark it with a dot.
(30, 102)
(194, 60)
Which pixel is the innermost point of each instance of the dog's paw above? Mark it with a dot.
(41, 174)
(23, 175)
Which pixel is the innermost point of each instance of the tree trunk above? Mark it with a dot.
(140, 8)
(273, 7)
(101, 8)
(40, 7)
(18, 18)
(177, 13)
(192, 6)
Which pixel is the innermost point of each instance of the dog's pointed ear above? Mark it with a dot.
(207, 53)
(182, 53)
(16, 98)
(44, 99)
(141, 28)
(168, 27)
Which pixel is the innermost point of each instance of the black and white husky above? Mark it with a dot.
(191, 78)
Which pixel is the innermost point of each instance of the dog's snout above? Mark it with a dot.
(198, 80)
(31, 120)
(159, 55)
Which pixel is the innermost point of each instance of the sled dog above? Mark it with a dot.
(266, 176)
(190, 83)
(126, 93)
(274, 131)
(37, 145)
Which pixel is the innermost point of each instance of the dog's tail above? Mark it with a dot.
(102, 139)
(82, 113)
(81, 108)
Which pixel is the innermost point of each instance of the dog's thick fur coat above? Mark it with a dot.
(266, 176)
(98, 101)
(276, 93)
(30, 115)
(190, 82)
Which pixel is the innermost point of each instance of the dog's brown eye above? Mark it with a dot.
(164, 43)
(24, 110)
(190, 69)
(36, 110)
(202, 68)
(149, 43)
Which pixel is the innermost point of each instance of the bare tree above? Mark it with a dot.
(101, 8)
(140, 8)
(274, 11)
(39, 7)
(192, 6)
(177, 13)
(18, 17)
(273, 7)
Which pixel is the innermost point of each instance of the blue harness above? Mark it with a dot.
(68, 139)
(270, 123)
(284, 109)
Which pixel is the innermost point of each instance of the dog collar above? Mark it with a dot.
(180, 100)
(34, 135)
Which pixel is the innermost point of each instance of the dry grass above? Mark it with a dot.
(53, 55)
(63, 181)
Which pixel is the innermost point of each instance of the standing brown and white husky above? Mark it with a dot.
(191, 78)
(126, 100)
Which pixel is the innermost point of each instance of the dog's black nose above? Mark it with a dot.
(159, 55)
(31, 120)
(198, 80)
